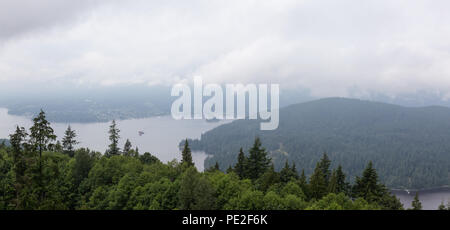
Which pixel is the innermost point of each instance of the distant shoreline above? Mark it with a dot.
(434, 189)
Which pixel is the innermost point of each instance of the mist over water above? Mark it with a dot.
(161, 134)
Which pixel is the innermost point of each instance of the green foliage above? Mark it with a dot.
(90, 180)
(114, 138)
(318, 183)
(186, 157)
(196, 192)
(407, 145)
(69, 142)
(127, 148)
(257, 162)
(416, 204)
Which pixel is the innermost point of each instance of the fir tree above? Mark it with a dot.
(186, 155)
(367, 186)
(214, 168)
(337, 182)
(303, 182)
(127, 148)
(40, 138)
(416, 204)
(258, 162)
(229, 170)
(294, 171)
(17, 140)
(317, 184)
(114, 138)
(324, 165)
(287, 173)
(19, 162)
(240, 167)
(68, 142)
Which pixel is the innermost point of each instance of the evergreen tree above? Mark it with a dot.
(324, 165)
(136, 152)
(114, 138)
(229, 170)
(258, 162)
(68, 142)
(317, 183)
(416, 204)
(240, 167)
(287, 173)
(58, 147)
(214, 168)
(40, 138)
(17, 141)
(19, 162)
(367, 186)
(303, 183)
(294, 171)
(186, 155)
(127, 148)
(332, 185)
(337, 182)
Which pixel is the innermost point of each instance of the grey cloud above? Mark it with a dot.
(333, 48)
(21, 16)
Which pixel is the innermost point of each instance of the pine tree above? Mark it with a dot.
(40, 138)
(214, 168)
(286, 173)
(229, 170)
(294, 171)
(127, 148)
(337, 182)
(58, 147)
(303, 182)
(324, 165)
(17, 140)
(258, 162)
(19, 162)
(367, 186)
(114, 138)
(68, 142)
(186, 155)
(240, 167)
(332, 185)
(416, 204)
(317, 183)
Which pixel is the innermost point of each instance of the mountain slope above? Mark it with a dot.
(410, 147)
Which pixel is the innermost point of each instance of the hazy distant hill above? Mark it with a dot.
(90, 104)
(410, 147)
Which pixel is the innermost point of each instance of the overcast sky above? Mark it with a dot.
(333, 48)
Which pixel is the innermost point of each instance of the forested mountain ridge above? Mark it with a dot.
(40, 172)
(410, 147)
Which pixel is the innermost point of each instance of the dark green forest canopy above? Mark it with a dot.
(410, 147)
(90, 180)
(37, 173)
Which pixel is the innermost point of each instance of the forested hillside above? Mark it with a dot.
(410, 147)
(40, 171)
